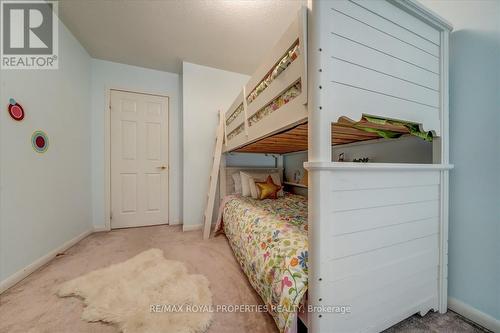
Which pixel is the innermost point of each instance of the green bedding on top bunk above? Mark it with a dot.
(284, 62)
(413, 128)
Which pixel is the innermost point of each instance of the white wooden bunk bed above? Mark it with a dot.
(377, 232)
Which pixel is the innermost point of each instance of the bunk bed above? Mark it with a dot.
(376, 235)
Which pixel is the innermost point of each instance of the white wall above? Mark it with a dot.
(406, 149)
(250, 160)
(474, 241)
(45, 198)
(106, 75)
(205, 91)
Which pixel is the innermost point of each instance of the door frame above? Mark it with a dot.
(107, 149)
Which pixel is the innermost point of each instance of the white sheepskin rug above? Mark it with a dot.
(136, 294)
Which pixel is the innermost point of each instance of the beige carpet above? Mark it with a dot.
(136, 294)
(32, 305)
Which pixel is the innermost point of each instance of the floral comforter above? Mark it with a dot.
(269, 239)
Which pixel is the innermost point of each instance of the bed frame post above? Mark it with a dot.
(319, 124)
(222, 177)
(223, 115)
(444, 145)
(245, 111)
(278, 161)
(319, 142)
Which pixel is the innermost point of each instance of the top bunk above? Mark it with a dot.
(342, 70)
(275, 97)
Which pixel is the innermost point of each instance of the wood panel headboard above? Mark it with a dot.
(226, 177)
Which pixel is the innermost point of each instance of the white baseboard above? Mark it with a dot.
(175, 222)
(101, 229)
(192, 227)
(474, 314)
(23, 273)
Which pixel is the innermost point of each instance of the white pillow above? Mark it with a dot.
(254, 191)
(245, 186)
(237, 182)
(262, 177)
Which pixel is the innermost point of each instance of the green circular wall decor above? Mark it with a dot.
(40, 141)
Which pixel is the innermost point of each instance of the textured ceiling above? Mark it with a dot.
(232, 35)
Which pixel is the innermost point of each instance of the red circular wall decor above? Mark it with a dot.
(40, 141)
(16, 111)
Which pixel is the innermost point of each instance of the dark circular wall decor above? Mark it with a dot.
(16, 111)
(40, 141)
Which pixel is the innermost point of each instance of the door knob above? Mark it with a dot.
(163, 167)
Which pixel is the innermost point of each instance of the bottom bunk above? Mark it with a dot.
(269, 239)
(367, 246)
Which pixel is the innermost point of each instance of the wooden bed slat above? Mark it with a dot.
(295, 139)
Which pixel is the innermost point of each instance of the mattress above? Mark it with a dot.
(269, 240)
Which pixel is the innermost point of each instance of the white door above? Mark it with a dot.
(139, 159)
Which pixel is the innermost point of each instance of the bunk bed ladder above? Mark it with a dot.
(214, 175)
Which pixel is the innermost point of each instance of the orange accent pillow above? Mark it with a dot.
(268, 189)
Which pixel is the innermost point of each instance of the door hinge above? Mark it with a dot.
(110, 215)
